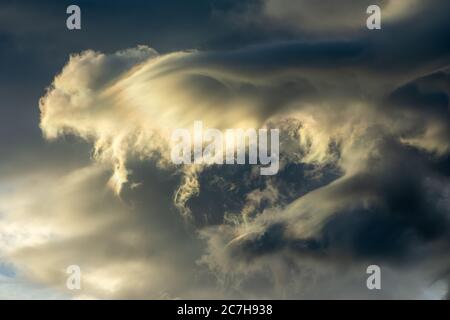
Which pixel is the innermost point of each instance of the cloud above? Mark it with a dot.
(123, 250)
(360, 146)
(341, 17)
(363, 179)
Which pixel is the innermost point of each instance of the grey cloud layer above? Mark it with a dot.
(364, 175)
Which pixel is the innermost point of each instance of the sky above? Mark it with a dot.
(86, 176)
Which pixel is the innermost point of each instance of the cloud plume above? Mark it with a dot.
(363, 178)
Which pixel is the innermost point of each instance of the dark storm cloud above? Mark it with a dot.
(396, 215)
(423, 107)
(364, 118)
(232, 190)
(404, 215)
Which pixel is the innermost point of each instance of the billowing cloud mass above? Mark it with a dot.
(364, 164)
